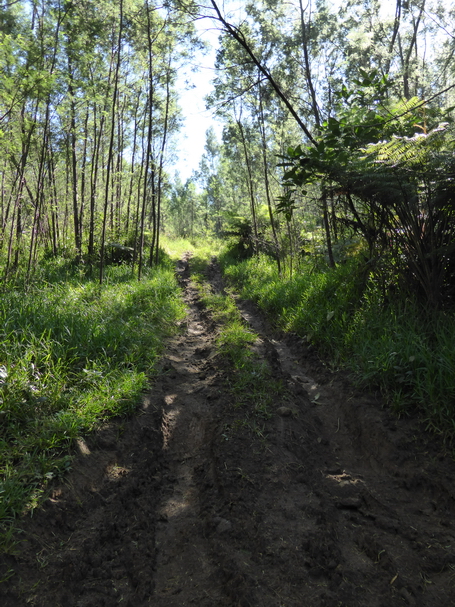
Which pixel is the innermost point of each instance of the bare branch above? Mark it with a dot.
(237, 34)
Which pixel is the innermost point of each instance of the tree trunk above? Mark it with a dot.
(325, 215)
(111, 141)
(407, 57)
(160, 169)
(148, 152)
(266, 180)
(306, 57)
(74, 192)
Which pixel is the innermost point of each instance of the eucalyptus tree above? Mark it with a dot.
(326, 51)
(238, 99)
(12, 104)
(184, 209)
(87, 99)
(29, 50)
(160, 41)
(116, 73)
(209, 176)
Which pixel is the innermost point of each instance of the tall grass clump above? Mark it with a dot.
(73, 354)
(250, 381)
(395, 346)
(200, 249)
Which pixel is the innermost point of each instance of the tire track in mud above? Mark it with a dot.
(190, 395)
(326, 502)
(363, 509)
(329, 503)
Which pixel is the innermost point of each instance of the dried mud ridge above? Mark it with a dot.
(331, 503)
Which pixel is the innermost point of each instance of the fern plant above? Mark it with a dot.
(411, 180)
(388, 184)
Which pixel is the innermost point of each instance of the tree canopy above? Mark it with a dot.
(337, 123)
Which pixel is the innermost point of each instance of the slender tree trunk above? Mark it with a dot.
(291, 247)
(2, 207)
(133, 158)
(7, 210)
(325, 216)
(161, 164)
(74, 184)
(306, 57)
(148, 154)
(111, 141)
(11, 239)
(40, 193)
(407, 56)
(54, 201)
(119, 171)
(396, 29)
(137, 227)
(309, 79)
(22, 183)
(250, 184)
(83, 176)
(266, 180)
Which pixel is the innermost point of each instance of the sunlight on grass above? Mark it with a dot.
(73, 355)
(395, 347)
(199, 248)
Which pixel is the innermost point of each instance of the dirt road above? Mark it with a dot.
(329, 503)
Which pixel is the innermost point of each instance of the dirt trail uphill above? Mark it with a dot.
(330, 503)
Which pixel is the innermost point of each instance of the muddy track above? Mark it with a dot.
(330, 502)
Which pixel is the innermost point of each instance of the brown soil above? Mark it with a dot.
(331, 502)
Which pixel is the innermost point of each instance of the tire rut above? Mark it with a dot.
(189, 395)
(324, 501)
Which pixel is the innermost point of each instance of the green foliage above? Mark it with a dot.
(392, 186)
(385, 343)
(73, 355)
(239, 233)
(198, 250)
(250, 381)
(57, 85)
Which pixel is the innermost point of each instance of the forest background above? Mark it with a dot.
(332, 188)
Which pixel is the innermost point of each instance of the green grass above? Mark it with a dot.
(201, 250)
(250, 380)
(72, 356)
(396, 347)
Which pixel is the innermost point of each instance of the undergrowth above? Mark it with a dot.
(200, 250)
(250, 381)
(73, 354)
(394, 346)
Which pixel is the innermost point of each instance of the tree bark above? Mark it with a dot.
(266, 180)
(111, 141)
(237, 34)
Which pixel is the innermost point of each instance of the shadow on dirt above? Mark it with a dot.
(330, 502)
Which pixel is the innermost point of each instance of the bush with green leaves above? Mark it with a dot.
(387, 167)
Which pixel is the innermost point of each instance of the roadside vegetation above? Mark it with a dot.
(333, 185)
(385, 343)
(250, 381)
(73, 355)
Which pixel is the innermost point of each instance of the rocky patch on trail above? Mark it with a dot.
(328, 502)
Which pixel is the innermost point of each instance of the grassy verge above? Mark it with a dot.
(201, 250)
(250, 380)
(406, 353)
(73, 355)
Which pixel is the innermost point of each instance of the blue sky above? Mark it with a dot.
(197, 118)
